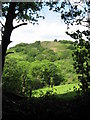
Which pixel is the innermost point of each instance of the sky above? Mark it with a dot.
(49, 29)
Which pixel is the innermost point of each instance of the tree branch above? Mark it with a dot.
(8, 53)
(86, 26)
(2, 24)
(86, 21)
(19, 25)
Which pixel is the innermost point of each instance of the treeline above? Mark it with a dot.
(64, 41)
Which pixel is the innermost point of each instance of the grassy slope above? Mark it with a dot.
(58, 90)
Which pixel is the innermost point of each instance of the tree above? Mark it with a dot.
(11, 79)
(73, 15)
(23, 66)
(81, 54)
(43, 73)
(81, 58)
(55, 40)
(70, 13)
(77, 13)
(20, 11)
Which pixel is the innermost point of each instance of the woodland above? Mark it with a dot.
(50, 79)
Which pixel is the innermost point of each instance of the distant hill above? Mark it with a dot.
(43, 50)
(58, 52)
(40, 64)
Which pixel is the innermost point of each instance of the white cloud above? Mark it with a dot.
(43, 31)
(49, 29)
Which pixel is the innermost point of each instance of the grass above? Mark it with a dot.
(52, 44)
(63, 91)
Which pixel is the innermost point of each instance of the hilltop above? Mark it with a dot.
(63, 49)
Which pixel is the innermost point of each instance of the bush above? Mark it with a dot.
(55, 40)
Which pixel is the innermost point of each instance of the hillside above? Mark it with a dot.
(38, 65)
(62, 49)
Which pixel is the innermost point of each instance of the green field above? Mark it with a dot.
(67, 90)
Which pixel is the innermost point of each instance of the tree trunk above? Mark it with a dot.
(7, 31)
(4, 45)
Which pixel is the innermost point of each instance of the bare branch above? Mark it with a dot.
(2, 24)
(8, 53)
(19, 25)
(86, 21)
(86, 26)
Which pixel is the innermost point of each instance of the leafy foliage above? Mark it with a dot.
(11, 76)
(82, 63)
(37, 65)
(24, 11)
(81, 55)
